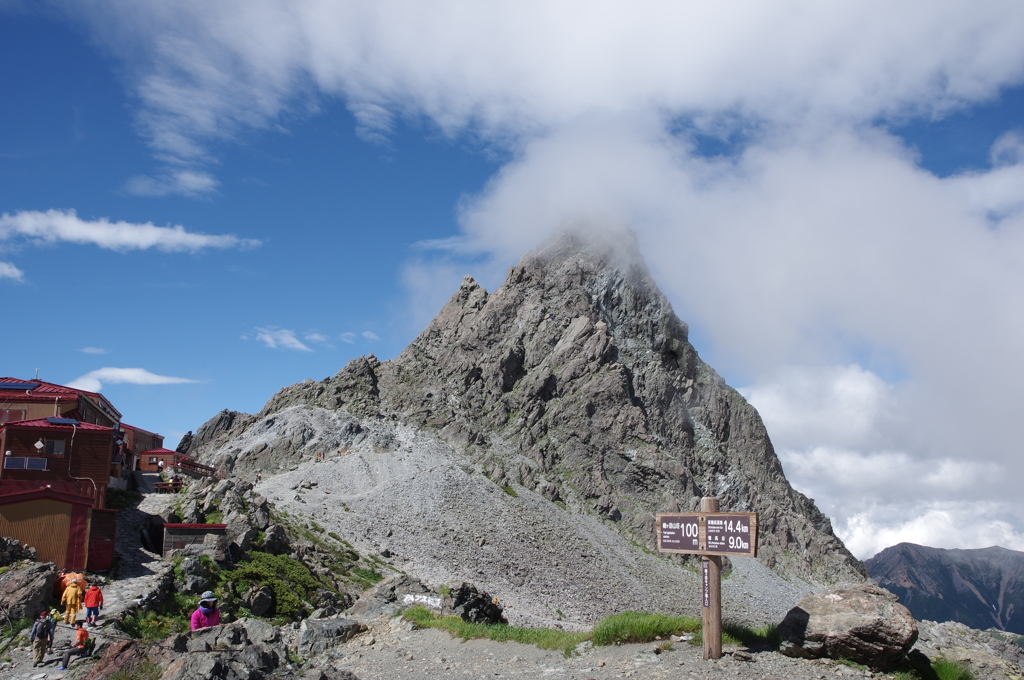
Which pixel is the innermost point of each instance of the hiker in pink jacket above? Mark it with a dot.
(207, 614)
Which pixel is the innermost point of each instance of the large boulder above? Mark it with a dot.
(24, 591)
(394, 594)
(860, 622)
(317, 636)
(240, 531)
(275, 540)
(259, 600)
(475, 606)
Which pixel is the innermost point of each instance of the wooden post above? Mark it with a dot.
(711, 616)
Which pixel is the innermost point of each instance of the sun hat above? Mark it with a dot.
(208, 595)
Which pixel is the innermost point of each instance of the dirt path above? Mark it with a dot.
(390, 650)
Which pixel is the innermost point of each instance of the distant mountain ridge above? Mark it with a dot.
(982, 588)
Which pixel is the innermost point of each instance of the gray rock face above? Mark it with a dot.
(318, 636)
(574, 379)
(25, 590)
(396, 593)
(860, 622)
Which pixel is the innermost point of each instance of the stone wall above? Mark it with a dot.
(12, 550)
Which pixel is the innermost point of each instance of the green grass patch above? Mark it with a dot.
(367, 574)
(152, 626)
(545, 638)
(765, 635)
(624, 628)
(640, 627)
(946, 669)
(214, 517)
(510, 491)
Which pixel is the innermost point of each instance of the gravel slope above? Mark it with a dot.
(547, 564)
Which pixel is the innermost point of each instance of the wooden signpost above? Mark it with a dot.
(714, 535)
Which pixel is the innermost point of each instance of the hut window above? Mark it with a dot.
(55, 447)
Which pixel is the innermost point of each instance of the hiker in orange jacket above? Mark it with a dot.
(79, 648)
(72, 600)
(93, 604)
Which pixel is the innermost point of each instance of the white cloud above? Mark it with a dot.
(93, 380)
(93, 350)
(370, 335)
(513, 69)
(347, 337)
(9, 271)
(184, 182)
(940, 524)
(313, 336)
(55, 226)
(837, 405)
(838, 433)
(518, 66)
(279, 338)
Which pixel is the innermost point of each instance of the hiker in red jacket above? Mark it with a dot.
(93, 604)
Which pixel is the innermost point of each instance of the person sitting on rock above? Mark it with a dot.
(93, 604)
(80, 647)
(206, 614)
(41, 638)
(72, 600)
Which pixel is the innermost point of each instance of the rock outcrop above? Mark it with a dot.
(26, 588)
(248, 649)
(575, 380)
(859, 622)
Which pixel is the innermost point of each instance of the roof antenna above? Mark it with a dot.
(37, 374)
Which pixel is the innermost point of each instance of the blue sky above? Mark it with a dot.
(336, 216)
(831, 196)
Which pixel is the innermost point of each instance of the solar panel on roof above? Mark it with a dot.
(62, 421)
(18, 386)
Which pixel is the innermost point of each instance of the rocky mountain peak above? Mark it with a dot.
(575, 379)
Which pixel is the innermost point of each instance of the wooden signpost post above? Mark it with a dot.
(712, 534)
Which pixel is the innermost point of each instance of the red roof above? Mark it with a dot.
(158, 452)
(43, 423)
(138, 429)
(43, 492)
(45, 391)
(39, 390)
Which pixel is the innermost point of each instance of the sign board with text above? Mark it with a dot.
(708, 533)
